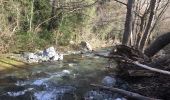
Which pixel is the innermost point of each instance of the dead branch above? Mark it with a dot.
(150, 68)
(125, 59)
(126, 93)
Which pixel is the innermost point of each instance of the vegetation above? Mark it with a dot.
(34, 24)
(137, 57)
(27, 25)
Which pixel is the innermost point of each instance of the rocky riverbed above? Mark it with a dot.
(67, 79)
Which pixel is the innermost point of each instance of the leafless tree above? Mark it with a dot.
(141, 20)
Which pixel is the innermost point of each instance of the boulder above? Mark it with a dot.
(52, 55)
(86, 46)
(109, 81)
(50, 52)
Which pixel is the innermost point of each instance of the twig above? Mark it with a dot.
(126, 93)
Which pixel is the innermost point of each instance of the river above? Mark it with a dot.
(69, 79)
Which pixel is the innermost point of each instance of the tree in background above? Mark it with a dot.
(37, 23)
(141, 19)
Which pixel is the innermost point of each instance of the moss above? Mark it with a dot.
(7, 63)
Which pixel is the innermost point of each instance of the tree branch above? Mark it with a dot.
(125, 59)
(121, 2)
(150, 68)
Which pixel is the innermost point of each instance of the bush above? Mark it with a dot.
(29, 41)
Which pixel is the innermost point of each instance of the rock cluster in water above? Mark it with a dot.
(48, 54)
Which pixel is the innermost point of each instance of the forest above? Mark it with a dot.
(35, 24)
(136, 32)
(31, 24)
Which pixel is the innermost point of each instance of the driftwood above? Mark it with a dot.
(150, 68)
(125, 93)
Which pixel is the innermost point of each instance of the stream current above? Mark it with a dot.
(69, 79)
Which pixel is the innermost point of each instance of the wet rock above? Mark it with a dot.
(109, 81)
(115, 82)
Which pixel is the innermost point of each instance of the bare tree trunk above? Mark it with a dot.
(52, 23)
(147, 30)
(158, 44)
(32, 15)
(128, 23)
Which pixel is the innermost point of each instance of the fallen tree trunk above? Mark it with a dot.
(158, 44)
(125, 93)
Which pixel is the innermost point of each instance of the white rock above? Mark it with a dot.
(31, 57)
(55, 57)
(60, 56)
(50, 52)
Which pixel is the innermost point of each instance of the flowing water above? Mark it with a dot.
(69, 79)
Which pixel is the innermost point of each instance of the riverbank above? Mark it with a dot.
(8, 61)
